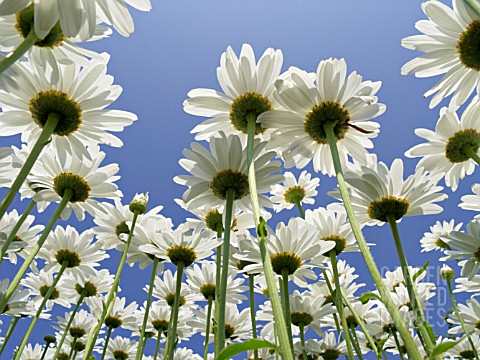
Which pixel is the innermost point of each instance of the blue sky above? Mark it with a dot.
(177, 46)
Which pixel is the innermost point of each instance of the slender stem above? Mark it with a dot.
(11, 327)
(222, 291)
(412, 292)
(471, 153)
(40, 309)
(140, 349)
(460, 319)
(385, 355)
(42, 140)
(280, 325)
(360, 323)
(354, 338)
(72, 347)
(412, 350)
(69, 323)
(397, 343)
(300, 209)
(286, 303)
(93, 335)
(15, 229)
(218, 275)
(157, 344)
(302, 340)
(332, 294)
(339, 303)
(23, 269)
(251, 283)
(24, 46)
(47, 345)
(74, 355)
(176, 305)
(107, 339)
(207, 327)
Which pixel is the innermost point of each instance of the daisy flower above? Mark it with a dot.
(40, 283)
(332, 99)
(248, 89)
(88, 285)
(159, 319)
(291, 192)
(463, 350)
(465, 246)
(54, 174)
(34, 352)
(293, 250)
(184, 353)
(121, 315)
(466, 285)
(448, 41)
(78, 98)
(449, 148)
(57, 18)
(392, 279)
(327, 348)
(471, 202)
(224, 168)
(306, 310)
(380, 193)
(19, 303)
(78, 250)
(164, 290)
(121, 348)
(432, 240)
(80, 327)
(470, 314)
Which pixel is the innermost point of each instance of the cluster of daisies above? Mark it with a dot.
(228, 273)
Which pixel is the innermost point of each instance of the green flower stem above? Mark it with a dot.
(474, 5)
(218, 275)
(207, 327)
(222, 291)
(339, 303)
(157, 344)
(42, 140)
(412, 350)
(285, 295)
(69, 323)
(354, 338)
(15, 229)
(280, 325)
(24, 46)
(472, 154)
(93, 334)
(360, 323)
(18, 353)
(460, 319)
(251, 283)
(302, 340)
(300, 209)
(412, 292)
(45, 350)
(107, 339)
(23, 269)
(176, 305)
(385, 355)
(140, 349)
(332, 294)
(399, 347)
(11, 327)
(74, 355)
(72, 348)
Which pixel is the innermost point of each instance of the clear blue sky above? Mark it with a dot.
(177, 46)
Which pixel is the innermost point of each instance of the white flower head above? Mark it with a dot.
(432, 240)
(291, 192)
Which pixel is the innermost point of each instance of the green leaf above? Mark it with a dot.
(441, 348)
(236, 349)
(421, 271)
(261, 229)
(365, 297)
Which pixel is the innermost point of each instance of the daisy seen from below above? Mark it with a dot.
(380, 193)
(248, 90)
(53, 175)
(452, 149)
(471, 202)
(293, 192)
(224, 169)
(432, 240)
(80, 18)
(449, 42)
(333, 100)
(76, 101)
(470, 314)
(121, 348)
(39, 283)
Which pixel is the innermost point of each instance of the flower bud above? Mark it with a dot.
(447, 273)
(139, 203)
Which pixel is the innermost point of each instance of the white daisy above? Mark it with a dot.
(80, 327)
(379, 193)
(121, 348)
(432, 240)
(463, 350)
(224, 168)
(185, 354)
(40, 283)
(465, 246)
(328, 347)
(34, 352)
(465, 285)
(164, 290)
(121, 315)
(448, 40)
(18, 303)
(307, 311)
(291, 192)
(87, 285)
(472, 202)
(159, 318)
(445, 152)
(78, 99)
(247, 87)
(52, 175)
(346, 103)
(470, 314)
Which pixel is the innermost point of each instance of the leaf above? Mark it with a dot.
(261, 229)
(365, 297)
(421, 271)
(441, 348)
(236, 349)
